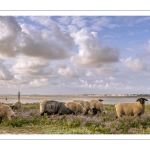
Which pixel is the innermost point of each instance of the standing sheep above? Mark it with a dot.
(6, 111)
(85, 104)
(16, 105)
(51, 107)
(76, 107)
(98, 106)
(131, 109)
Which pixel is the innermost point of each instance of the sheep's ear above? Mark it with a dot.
(145, 99)
(100, 100)
(142, 99)
(139, 99)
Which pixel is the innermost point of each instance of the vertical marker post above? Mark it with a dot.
(19, 96)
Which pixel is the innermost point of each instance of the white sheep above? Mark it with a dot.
(16, 105)
(77, 108)
(42, 106)
(6, 111)
(86, 104)
(98, 106)
(131, 109)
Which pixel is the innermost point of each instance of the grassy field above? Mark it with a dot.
(28, 121)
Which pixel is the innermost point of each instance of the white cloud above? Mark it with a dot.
(67, 72)
(79, 21)
(106, 69)
(148, 47)
(91, 52)
(4, 72)
(46, 44)
(112, 78)
(136, 64)
(32, 67)
(39, 83)
(84, 83)
(99, 81)
(64, 20)
(102, 21)
(113, 25)
(89, 74)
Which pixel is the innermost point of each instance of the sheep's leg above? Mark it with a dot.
(118, 115)
(94, 111)
(9, 117)
(42, 114)
(86, 113)
(1, 119)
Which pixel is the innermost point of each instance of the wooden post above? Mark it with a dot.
(19, 96)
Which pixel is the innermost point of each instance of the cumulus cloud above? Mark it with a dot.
(91, 52)
(46, 44)
(4, 72)
(89, 73)
(45, 41)
(9, 36)
(102, 21)
(111, 78)
(67, 72)
(106, 69)
(32, 67)
(98, 23)
(148, 47)
(40, 82)
(136, 64)
(99, 81)
(84, 83)
(20, 79)
(64, 20)
(79, 21)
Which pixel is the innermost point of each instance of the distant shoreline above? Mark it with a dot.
(67, 96)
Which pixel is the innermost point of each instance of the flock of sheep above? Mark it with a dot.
(76, 107)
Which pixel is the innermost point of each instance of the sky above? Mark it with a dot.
(75, 54)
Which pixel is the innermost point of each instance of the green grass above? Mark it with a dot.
(29, 121)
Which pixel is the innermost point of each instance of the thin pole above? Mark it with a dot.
(19, 96)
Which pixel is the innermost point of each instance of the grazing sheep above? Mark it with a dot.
(85, 104)
(98, 106)
(6, 111)
(16, 105)
(76, 108)
(51, 107)
(131, 109)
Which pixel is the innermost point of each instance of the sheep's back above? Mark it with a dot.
(63, 109)
(51, 106)
(125, 108)
(79, 101)
(71, 105)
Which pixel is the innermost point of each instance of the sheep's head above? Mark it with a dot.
(100, 100)
(104, 112)
(142, 100)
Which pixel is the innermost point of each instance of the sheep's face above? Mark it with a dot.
(86, 113)
(94, 111)
(142, 100)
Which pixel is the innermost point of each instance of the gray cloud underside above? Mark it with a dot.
(9, 32)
